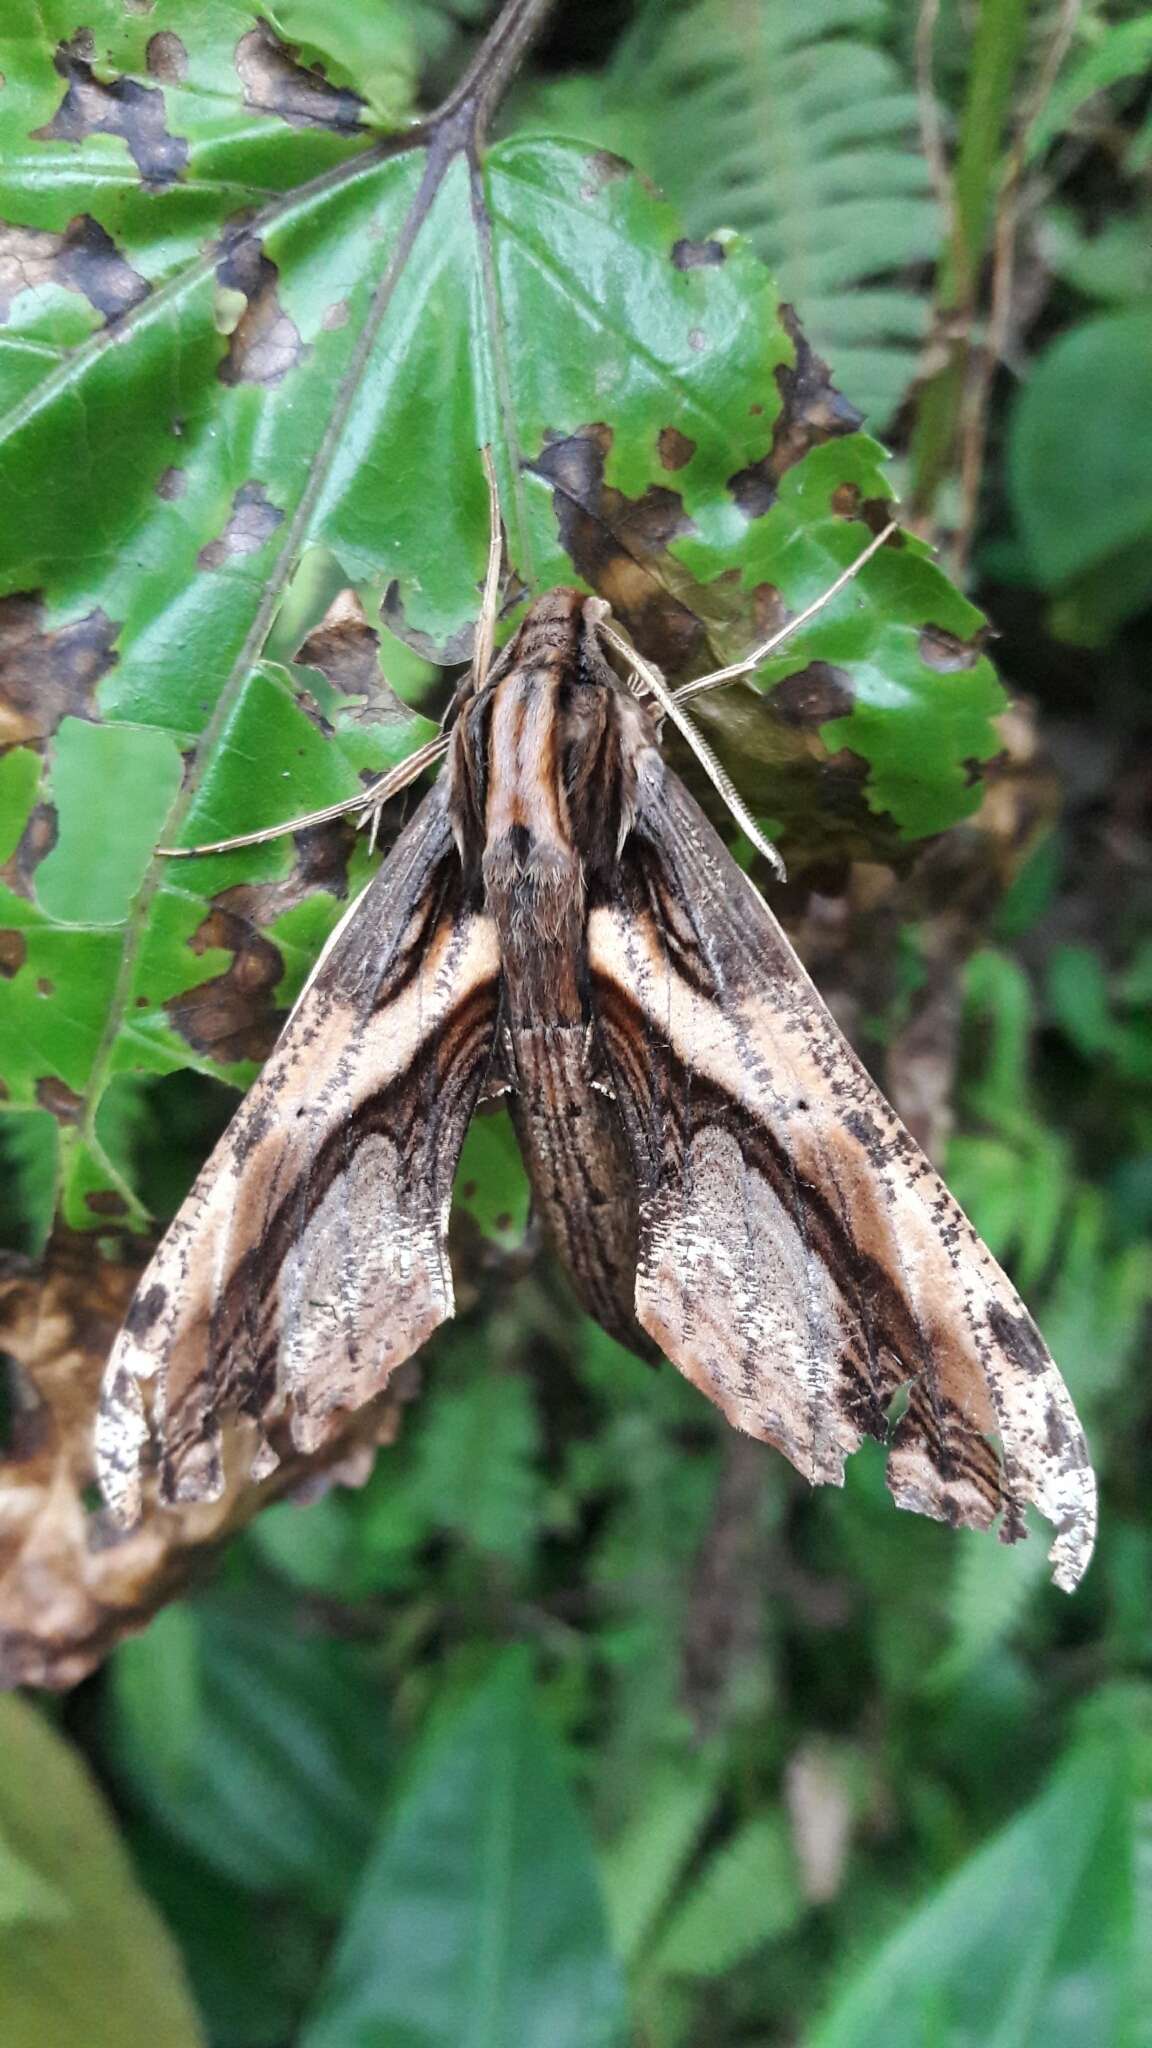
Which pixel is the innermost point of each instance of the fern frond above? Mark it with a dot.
(793, 126)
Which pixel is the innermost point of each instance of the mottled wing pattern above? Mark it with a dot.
(310, 1258)
(799, 1258)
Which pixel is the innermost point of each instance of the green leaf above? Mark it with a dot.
(491, 1184)
(642, 1864)
(1077, 990)
(264, 1750)
(796, 127)
(747, 1895)
(478, 1922)
(476, 1462)
(992, 1587)
(1078, 417)
(1118, 53)
(1030, 1941)
(1114, 264)
(83, 1955)
(246, 339)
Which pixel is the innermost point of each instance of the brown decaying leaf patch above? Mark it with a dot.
(13, 953)
(123, 107)
(252, 521)
(947, 653)
(72, 1585)
(233, 1016)
(619, 546)
(275, 82)
(811, 411)
(83, 259)
(815, 694)
(37, 839)
(47, 676)
(265, 344)
(54, 1094)
(687, 255)
(346, 650)
(166, 58)
(674, 448)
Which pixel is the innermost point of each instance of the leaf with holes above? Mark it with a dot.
(252, 345)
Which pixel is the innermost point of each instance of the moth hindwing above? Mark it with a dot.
(715, 1168)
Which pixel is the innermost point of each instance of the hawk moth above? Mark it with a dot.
(724, 1183)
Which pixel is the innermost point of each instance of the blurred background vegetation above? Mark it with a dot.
(582, 1721)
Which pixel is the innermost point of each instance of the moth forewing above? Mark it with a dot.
(798, 1256)
(310, 1259)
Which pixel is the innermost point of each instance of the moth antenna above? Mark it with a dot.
(721, 781)
(486, 624)
(370, 802)
(783, 633)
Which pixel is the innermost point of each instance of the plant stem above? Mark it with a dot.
(997, 49)
(479, 92)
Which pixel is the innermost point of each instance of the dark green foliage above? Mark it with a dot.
(582, 1724)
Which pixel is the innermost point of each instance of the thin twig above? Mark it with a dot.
(928, 110)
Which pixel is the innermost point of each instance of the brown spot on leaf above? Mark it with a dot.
(844, 500)
(106, 1202)
(946, 652)
(13, 953)
(811, 411)
(688, 255)
(674, 448)
(83, 259)
(91, 263)
(619, 546)
(93, 106)
(251, 523)
(346, 650)
(166, 58)
(335, 316)
(265, 343)
(602, 167)
(47, 676)
(814, 695)
(44, 987)
(233, 1016)
(276, 83)
(697, 339)
(769, 611)
(64, 1103)
(173, 483)
(37, 839)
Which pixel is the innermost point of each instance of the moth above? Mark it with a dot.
(727, 1188)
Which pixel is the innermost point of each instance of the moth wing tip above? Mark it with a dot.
(1071, 1552)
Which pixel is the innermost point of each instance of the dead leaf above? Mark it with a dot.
(72, 1585)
